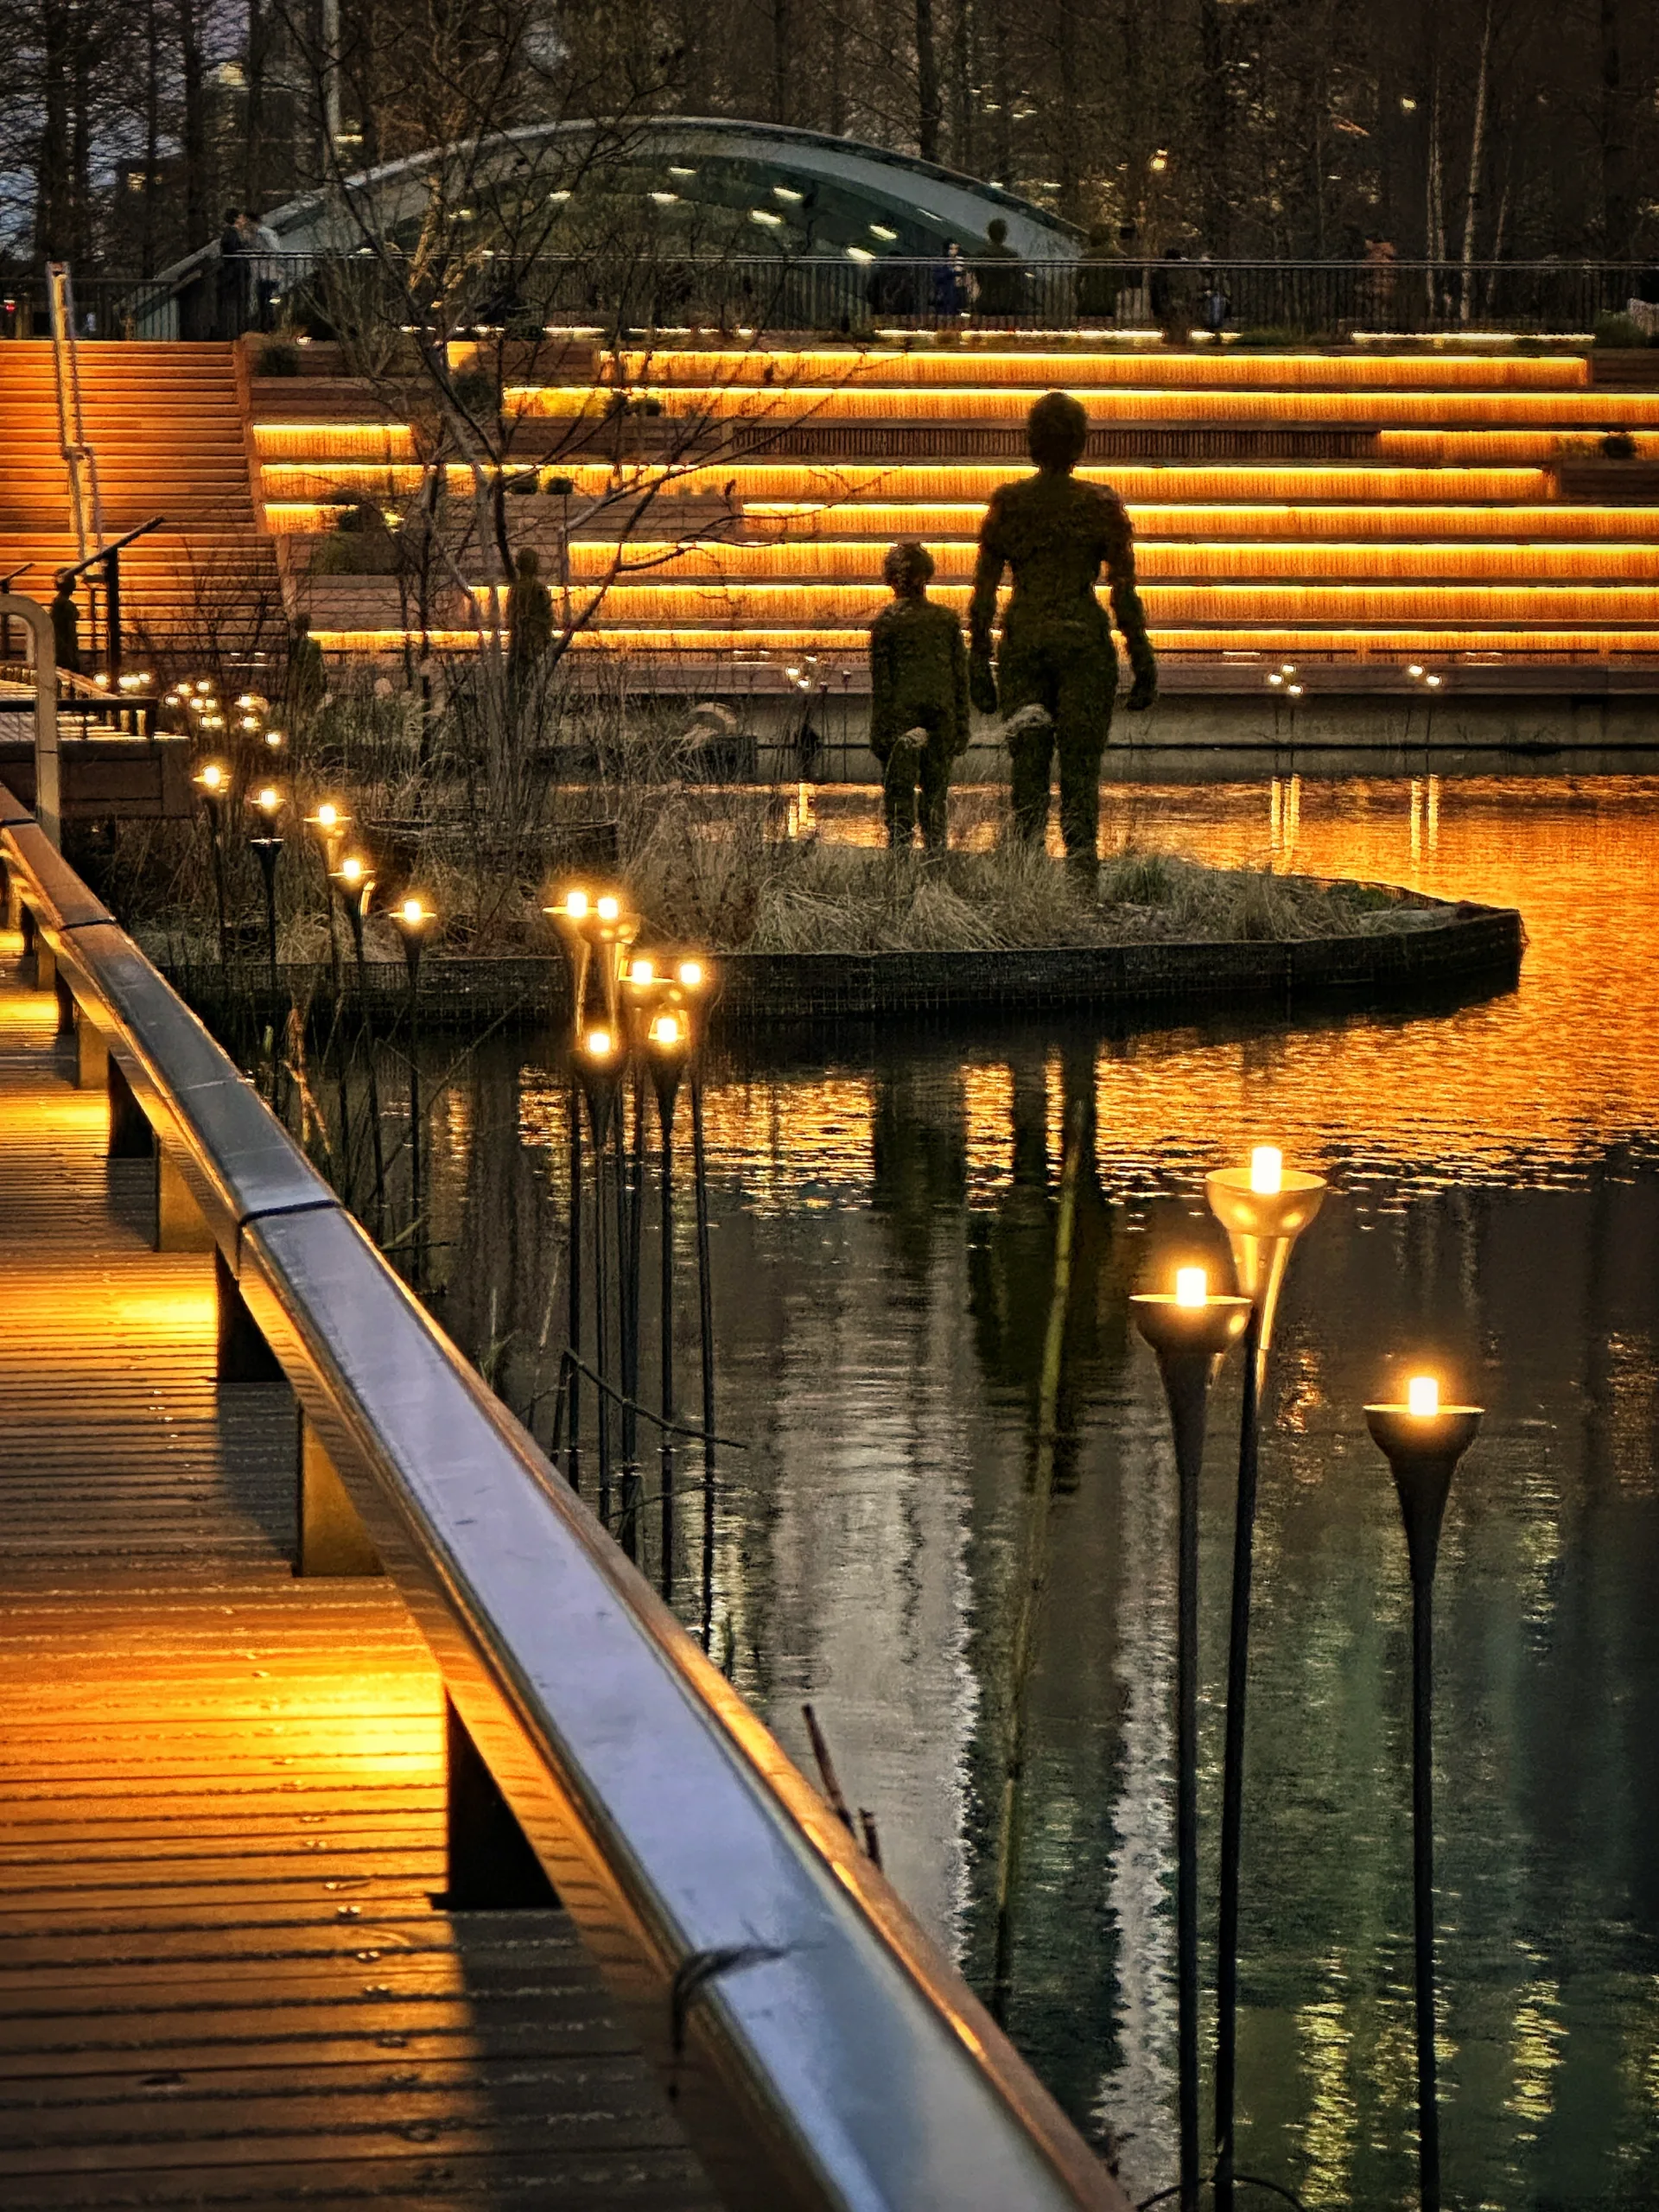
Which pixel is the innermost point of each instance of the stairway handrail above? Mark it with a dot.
(76, 447)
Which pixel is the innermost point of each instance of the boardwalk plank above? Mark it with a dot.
(222, 1979)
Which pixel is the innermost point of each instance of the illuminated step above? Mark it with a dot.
(808, 485)
(961, 404)
(961, 519)
(840, 651)
(1072, 369)
(825, 605)
(832, 560)
(335, 441)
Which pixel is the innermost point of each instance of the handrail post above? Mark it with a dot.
(48, 798)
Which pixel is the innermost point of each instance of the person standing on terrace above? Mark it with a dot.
(1055, 671)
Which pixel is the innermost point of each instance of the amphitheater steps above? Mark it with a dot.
(1354, 509)
(165, 422)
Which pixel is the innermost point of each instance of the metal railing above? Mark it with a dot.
(820, 2051)
(1250, 300)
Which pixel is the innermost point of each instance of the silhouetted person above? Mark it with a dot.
(918, 699)
(1056, 673)
(529, 619)
(303, 682)
(1172, 297)
(66, 624)
(232, 276)
(1001, 280)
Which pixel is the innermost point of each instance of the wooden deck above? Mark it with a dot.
(223, 1981)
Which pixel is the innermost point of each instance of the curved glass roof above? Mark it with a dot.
(692, 185)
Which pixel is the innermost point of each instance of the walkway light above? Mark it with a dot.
(413, 921)
(330, 820)
(1264, 1208)
(1422, 1441)
(213, 778)
(1187, 1331)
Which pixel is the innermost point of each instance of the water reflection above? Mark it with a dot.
(883, 1246)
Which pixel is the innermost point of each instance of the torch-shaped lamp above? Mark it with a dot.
(267, 844)
(1264, 1208)
(1188, 1331)
(1422, 1441)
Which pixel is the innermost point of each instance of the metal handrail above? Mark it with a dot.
(821, 2053)
(72, 426)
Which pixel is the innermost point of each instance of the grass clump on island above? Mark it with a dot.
(820, 897)
(488, 833)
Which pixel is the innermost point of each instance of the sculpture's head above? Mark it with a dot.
(1057, 431)
(907, 569)
(529, 565)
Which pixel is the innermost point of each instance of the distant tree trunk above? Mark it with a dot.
(929, 107)
(193, 75)
(52, 162)
(962, 90)
(1214, 121)
(782, 59)
(152, 138)
(1476, 159)
(1614, 121)
(80, 182)
(253, 148)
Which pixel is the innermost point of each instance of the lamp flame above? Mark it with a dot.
(1191, 1287)
(1423, 1396)
(1267, 1170)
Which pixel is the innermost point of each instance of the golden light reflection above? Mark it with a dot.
(1537, 2050)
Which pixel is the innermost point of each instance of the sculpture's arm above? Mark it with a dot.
(1129, 615)
(982, 613)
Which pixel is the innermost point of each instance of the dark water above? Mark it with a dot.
(883, 1242)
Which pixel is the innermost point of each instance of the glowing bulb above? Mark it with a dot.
(1415, 669)
(273, 738)
(609, 908)
(665, 1030)
(269, 800)
(1191, 1287)
(411, 913)
(575, 904)
(211, 778)
(1423, 1396)
(1292, 690)
(598, 1042)
(1288, 666)
(1267, 1170)
(1433, 683)
(641, 971)
(327, 816)
(691, 973)
(351, 869)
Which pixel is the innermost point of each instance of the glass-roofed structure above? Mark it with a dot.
(703, 186)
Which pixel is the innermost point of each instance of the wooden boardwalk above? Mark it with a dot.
(223, 1979)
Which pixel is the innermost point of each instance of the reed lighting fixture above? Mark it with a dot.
(1188, 1330)
(1264, 1208)
(1422, 1440)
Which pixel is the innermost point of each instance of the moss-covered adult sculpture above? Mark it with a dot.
(918, 698)
(1057, 655)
